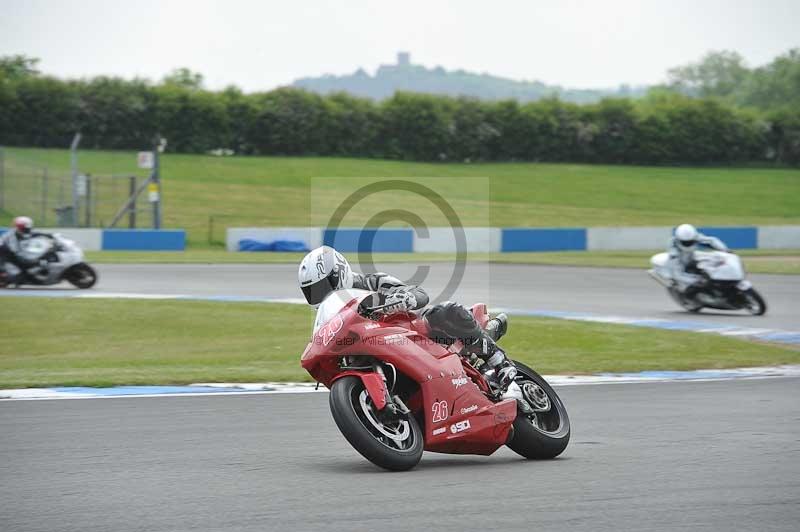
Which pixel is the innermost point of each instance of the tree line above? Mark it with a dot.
(665, 127)
(725, 75)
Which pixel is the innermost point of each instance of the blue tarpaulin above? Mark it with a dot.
(248, 244)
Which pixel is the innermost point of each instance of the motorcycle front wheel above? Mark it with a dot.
(391, 441)
(81, 276)
(544, 433)
(754, 303)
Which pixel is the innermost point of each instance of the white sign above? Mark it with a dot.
(145, 160)
(80, 184)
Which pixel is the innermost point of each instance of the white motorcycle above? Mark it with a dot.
(59, 259)
(725, 285)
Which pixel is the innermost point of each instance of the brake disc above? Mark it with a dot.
(398, 434)
(536, 397)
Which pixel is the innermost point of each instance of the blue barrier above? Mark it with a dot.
(144, 240)
(734, 237)
(517, 239)
(370, 240)
(525, 239)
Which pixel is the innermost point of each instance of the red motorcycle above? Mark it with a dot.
(395, 392)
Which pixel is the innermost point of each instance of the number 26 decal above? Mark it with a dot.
(439, 411)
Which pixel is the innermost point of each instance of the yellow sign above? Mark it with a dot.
(152, 192)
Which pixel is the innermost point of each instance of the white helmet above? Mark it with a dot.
(686, 235)
(321, 272)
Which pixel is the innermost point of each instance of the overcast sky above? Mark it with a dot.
(261, 44)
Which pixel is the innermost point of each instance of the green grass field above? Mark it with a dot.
(781, 261)
(276, 191)
(107, 342)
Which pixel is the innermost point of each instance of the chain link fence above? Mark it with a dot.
(33, 189)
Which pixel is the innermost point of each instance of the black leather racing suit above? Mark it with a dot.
(448, 321)
(11, 249)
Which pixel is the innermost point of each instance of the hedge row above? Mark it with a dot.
(664, 128)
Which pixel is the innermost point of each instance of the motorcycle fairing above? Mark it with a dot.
(62, 255)
(472, 424)
(721, 266)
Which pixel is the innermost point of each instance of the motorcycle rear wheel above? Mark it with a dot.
(691, 306)
(393, 442)
(81, 276)
(544, 435)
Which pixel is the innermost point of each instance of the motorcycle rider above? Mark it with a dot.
(11, 245)
(681, 250)
(325, 270)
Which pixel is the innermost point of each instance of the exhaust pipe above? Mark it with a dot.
(657, 278)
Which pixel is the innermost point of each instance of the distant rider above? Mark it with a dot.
(325, 270)
(681, 250)
(11, 244)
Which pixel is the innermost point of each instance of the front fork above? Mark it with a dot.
(375, 383)
(393, 403)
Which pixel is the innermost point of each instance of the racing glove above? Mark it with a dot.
(399, 301)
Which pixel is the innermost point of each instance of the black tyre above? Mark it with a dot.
(81, 276)
(754, 303)
(390, 441)
(544, 434)
(687, 304)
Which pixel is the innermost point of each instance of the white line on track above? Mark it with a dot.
(228, 389)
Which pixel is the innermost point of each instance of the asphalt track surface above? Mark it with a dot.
(719, 455)
(607, 291)
(668, 456)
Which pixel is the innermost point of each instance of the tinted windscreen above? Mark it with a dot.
(334, 302)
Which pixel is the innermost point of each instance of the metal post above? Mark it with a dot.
(156, 179)
(132, 211)
(2, 178)
(95, 217)
(73, 156)
(125, 208)
(43, 217)
(60, 192)
(88, 200)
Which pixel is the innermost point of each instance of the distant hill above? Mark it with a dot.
(404, 76)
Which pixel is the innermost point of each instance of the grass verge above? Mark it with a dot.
(276, 191)
(115, 342)
(782, 261)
